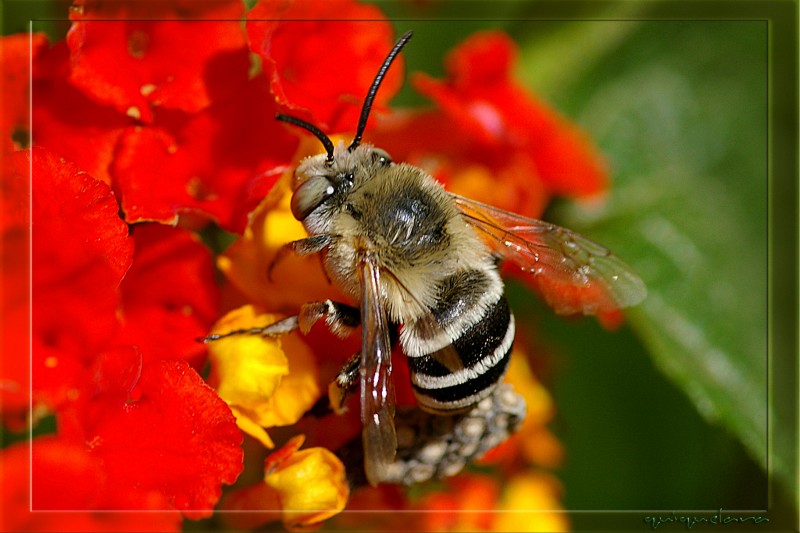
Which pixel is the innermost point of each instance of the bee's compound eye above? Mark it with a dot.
(381, 156)
(308, 196)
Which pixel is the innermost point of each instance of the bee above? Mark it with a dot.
(420, 263)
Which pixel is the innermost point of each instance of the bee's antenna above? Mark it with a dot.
(326, 142)
(373, 90)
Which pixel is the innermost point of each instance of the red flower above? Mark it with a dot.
(66, 120)
(319, 69)
(481, 97)
(162, 432)
(67, 478)
(137, 438)
(489, 138)
(139, 56)
(169, 297)
(215, 162)
(161, 437)
(14, 294)
(218, 163)
(77, 267)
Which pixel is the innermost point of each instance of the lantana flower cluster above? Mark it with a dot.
(132, 150)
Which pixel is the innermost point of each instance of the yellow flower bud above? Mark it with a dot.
(311, 484)
(266, 381)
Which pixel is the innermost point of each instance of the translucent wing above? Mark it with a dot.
(377, 390)
(572, 273)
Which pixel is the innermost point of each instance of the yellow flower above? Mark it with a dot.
(311, 484)
(266, 381)
(250, 263)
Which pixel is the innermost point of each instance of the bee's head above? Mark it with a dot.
(323, 181)
(326, 178)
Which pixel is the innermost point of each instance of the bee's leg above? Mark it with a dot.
(347, 381)
(275, 329)
(349, 377)
(339, 390)
(311, 245)
(340, 318)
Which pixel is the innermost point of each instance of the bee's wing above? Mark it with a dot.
(377, 389)
(572, 273)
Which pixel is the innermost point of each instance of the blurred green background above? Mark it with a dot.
(688, 404)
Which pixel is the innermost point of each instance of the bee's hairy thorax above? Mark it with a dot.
(406, 220)
(439, 282)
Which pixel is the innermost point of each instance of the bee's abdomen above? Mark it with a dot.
(467, 360)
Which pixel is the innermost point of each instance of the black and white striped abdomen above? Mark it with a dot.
(459, 362)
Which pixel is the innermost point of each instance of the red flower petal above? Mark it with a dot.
(64, 194)
(321, 57)
(247, 508)
(173, 435)
(15, 317)
(14, 292)
(221, 162)
(55, 465)
(65, 476)
(68, 122)
(15, 381)
(465, 505)
(80, 251)
(170, 295)
(139, 55)
(105, 383)
(14, 194)
(15, 57)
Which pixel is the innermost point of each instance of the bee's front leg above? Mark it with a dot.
(275, 329)
(311, 245)
(340, 318)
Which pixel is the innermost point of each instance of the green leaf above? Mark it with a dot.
(680, 108)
